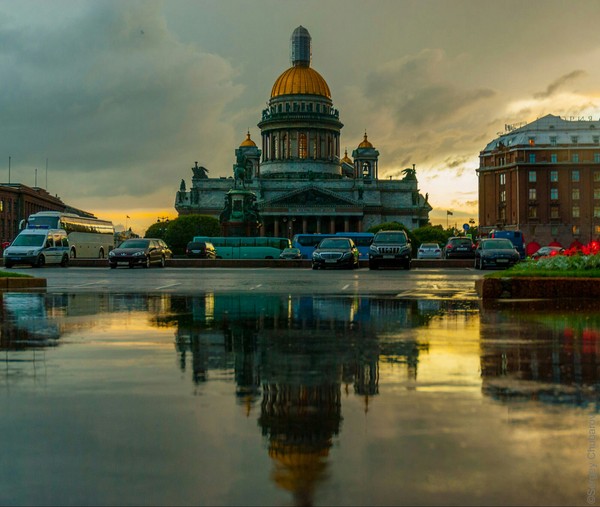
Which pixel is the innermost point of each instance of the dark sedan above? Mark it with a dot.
(335, 252)
(459, 248)
(140, 252)
(496, 253)
(200, 250)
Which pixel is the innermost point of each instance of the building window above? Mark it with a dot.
(575, 175)
(597, 230)
(575, 158)
(502, 195)
(554, 230)
(596, 175)
(1, 205)
(553, 140)
(533, 176)
(575, 211)
(532, 213)
(575, 230)
(554, 212)
(554, 158)
(575, 194)
(554, 194)
(554, 176)
(502, 178)
(596, 139)
(596, 211)
(532, 158)
(532, 194)
(302, 145)
(597, 193)
(574, 139)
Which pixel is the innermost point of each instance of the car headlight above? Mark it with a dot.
(111, 253)
(316, 255)
(373, 249)
(137, 254)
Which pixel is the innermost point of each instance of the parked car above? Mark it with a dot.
(290, 253)
(335, 252)
(140, 252)
(547, 251)
(390, 248)
(496, 252)
(38, 247)
(429, 251)
(459, 248)
(200, 250)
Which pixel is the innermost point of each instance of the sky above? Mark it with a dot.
(108, 104)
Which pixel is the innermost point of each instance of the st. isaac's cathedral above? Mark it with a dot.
(300, 182)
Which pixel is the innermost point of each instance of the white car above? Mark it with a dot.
(429, 251)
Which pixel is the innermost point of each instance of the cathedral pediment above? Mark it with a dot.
(309, 196)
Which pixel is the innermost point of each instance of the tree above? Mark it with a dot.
(432, 234)
(179, 232)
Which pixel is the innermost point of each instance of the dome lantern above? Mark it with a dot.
(300, 51)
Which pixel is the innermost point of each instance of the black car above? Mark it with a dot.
(335, 252)
(495, 252)
(459, 248)
(200, 250)
(390, 248)
(290, 253)
(140, 252)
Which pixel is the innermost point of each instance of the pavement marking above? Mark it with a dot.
(256, 286)
(345, 286)
(167, 286)
(89, 283)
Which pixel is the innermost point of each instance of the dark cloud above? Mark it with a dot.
(560, 83)
(111, 96)
(415, 90)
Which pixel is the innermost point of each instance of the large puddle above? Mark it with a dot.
(239, 399)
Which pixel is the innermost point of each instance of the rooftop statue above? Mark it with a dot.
(200, 172)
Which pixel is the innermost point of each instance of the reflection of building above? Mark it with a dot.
(544, 179)
(301, 183)
(554, 357)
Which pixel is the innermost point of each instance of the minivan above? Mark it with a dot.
(38, 247)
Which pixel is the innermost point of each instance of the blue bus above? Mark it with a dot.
(307, 242)
(255, 247)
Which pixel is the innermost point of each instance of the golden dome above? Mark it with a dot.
(300, 80)
(365, 143)
(248, 141)
(346, 158)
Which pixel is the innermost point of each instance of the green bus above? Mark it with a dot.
(246, 248)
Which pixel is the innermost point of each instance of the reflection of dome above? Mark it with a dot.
(248, 141)
(300, 80)
(365, 143)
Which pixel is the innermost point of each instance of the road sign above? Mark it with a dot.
(466, 227)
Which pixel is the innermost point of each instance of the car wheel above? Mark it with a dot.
(8, 265)
(162, 261)
(314, 266)
(41, 261)
(65, 261)
(372, 265)
(407, 265)
(113, 265)
(131, 265)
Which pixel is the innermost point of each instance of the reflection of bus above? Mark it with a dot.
(307, 242)
(246, 248)
(88, 237)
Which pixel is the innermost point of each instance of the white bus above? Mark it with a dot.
(88, 237)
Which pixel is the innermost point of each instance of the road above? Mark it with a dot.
(454, 283)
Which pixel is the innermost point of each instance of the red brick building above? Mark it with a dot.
(543, 178)
(18, 201)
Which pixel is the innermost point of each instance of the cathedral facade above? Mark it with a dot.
(301, 183)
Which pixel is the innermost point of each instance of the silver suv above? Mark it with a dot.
(390, 248)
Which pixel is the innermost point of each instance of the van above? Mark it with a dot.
(38, 247)
(515, 237)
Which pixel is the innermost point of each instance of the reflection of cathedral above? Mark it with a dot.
(301, 183)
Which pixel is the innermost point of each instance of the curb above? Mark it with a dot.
(537, 288)
(17, 282)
